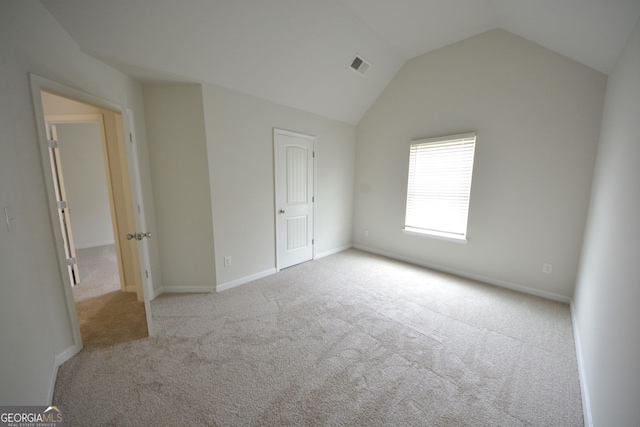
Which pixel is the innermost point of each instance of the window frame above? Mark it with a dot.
(465, 140)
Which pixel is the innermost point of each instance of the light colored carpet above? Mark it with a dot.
(351, 339)
(106, 315)
(99, 275)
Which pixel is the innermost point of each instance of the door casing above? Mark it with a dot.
(117, 128)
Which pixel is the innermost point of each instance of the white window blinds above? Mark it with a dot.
(439, 184)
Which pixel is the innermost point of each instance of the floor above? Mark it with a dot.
(351, 339)
(106, 315)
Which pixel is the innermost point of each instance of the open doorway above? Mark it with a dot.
(90, 179)
(84, 203)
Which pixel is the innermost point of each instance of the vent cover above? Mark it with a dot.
(359, 65)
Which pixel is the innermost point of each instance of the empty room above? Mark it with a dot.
(336, 212)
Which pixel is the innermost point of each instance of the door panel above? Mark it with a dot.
(294, 198)
(140, 220)
(296, 171)
(297, 228)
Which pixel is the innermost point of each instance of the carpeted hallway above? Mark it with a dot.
(351, 339)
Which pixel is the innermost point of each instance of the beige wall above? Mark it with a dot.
(240, 152)
(178, 153)
(211, 152)
(537, 116)
(58, 105)
(36, 333)
(606, 314)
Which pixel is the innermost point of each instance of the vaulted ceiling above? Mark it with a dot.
(297, 52)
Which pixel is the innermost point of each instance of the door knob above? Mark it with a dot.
(281, 210)
(138, 236)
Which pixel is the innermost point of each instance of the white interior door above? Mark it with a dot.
(294, 173)
(64, 213)
(136, 195)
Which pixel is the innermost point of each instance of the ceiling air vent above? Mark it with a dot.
(359, 65)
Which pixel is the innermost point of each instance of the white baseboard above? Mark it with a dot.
(187, 289)
(155, 293)
(489, 280)
(586, 402)
(94, 244)
(57, 362)
(332, 251)
(224, 286)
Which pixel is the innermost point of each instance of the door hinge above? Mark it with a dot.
(139, 210)
(52, 143)
(313, 199)
(314, 155)
(63, 204)
(313, 241)
(71, 261)
(146, 272)
(130, 138)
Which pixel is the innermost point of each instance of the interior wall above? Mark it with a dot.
(606, 314)
(179, 169)
(537, 117)
(240, 153)
(85, 182)
(36, 331)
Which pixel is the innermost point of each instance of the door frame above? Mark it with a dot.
(276, 133)
(38, 85)
(55, 119)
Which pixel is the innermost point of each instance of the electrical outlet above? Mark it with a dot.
(227, 261)
(366, 233)
(547, 268)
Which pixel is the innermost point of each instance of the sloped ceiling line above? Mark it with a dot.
(297, 52)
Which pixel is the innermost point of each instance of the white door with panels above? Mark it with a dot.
(294, 173)
(139, 216)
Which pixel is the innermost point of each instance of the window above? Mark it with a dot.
(439, 185)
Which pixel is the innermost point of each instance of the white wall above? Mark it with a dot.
(606, 313)
(35, 325)
(537, 116)
(85, 182)
(178, 154)
(240, 149)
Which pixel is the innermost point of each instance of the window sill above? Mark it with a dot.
(436, 235)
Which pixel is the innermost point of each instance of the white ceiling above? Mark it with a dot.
(297, 52)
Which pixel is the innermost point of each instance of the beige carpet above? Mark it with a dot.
(106, 315)
(99, 275)
(111, 318)
(352, 339)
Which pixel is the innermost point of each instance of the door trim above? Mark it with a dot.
(39, 84)
(277, 132)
